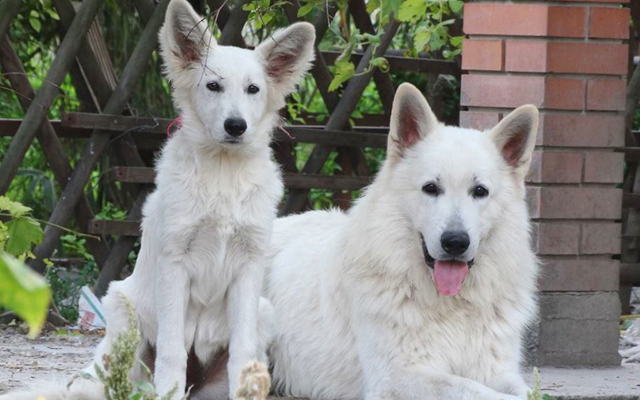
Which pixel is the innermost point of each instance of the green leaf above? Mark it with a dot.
(456, 41)
(372, 5)
(16, 209)
(344, 70)
(249, 7)
(306, 9)
(23, 232)
(456, 5)
(381, 63)
(421, 39)
(34, 14)
(412, 10)
(24, 292)
(35, 24)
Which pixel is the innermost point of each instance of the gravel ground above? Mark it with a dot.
(58, 356)
(50, 357)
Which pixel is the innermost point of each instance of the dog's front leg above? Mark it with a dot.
(172, 298)
(242, 310)
(391, 372)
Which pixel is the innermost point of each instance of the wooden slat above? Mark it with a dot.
(630, 274)
(157, 128)
(134, 174)
(291, 180)
(127, 228)
(336, 182)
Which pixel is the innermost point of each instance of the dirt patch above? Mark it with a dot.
(50, 357)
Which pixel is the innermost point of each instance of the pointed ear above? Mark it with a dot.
(287, 56)
(515, 137)
(184, 37)
(411, 120)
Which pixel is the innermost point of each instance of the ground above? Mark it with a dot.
(58, 356)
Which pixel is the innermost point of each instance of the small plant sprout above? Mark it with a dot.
(254, 382)
(118, 364)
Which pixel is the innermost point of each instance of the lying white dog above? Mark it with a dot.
(424, 288)
(196, 286)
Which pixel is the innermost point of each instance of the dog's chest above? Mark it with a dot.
(471, 341)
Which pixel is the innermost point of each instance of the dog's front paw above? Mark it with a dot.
(254, 382)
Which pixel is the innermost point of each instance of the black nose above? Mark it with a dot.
(455, 242)
(235, 126)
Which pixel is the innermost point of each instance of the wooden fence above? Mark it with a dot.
(130, 141)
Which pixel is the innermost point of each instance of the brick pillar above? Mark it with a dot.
(568, 58)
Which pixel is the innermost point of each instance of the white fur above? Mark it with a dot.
(207, 226)
(357, 311)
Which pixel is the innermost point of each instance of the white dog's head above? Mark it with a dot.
(455, 183)
(234, 93)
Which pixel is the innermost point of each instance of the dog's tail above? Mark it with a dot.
(80, 389)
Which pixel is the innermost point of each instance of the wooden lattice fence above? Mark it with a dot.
(130, 141)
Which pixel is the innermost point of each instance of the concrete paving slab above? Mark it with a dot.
(620, 383)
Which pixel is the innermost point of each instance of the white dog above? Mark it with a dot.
(196, 286)
(424, 288)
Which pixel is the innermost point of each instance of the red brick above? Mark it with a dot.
(609, 23)
(526, 56)
(523, 20)
(482, 55)
(588, 1)
(505, 19)
(555, 167)
(558, 238)
(566, 22)
(606, 94)
(502, 91)
(513, 91)
(580, 275)
(564, 94)
(579, 203)
(479, 120)
(603, 167)
(587, 58)
(567, 130)
(601, 238)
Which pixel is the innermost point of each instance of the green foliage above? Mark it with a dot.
(536, 393)
(20, 232)
(118, 365)
(24, 292)
(21, 290)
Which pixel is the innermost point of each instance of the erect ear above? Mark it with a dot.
(515, 137)
(287, 55)
(411, 120)
(184, 37)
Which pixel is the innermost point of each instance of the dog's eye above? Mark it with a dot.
(480, 192)
(214, 86)
(253, 89)
(431, 189)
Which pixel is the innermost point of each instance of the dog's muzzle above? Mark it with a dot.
(431, 262)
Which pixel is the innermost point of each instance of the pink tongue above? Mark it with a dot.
(449, 276)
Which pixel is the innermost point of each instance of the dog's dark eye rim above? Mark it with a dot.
(431, 189)
(214, 86)
(252, 89)
(479, 191)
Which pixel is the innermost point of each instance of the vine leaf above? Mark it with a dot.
(344, 70)
(22, 232)
(23, 291)
(14, 208)
(456, 5)
(412, 10)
